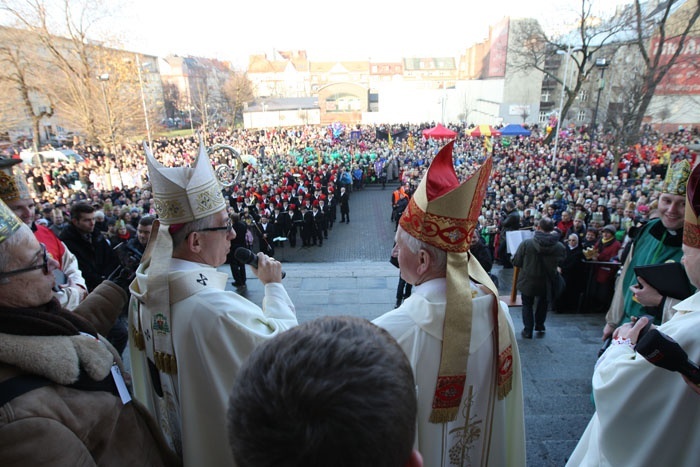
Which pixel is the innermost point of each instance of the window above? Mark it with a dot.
(545, 96)
(581, 115)
(543, 117)
(583, 95)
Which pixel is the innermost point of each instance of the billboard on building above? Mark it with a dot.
(499, 49)
(683, 77)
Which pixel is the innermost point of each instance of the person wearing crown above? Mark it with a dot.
(14, 191)
(188, 336)
(658, 241)
(646, 415)
(457, 335)
(62, 397)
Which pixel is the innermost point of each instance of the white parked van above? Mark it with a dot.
(56, 155)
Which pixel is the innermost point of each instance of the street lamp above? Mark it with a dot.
(103, 78)
(602, 64)
(143, 101)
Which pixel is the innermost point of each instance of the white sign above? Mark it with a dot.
(515, 237)
(519, 110)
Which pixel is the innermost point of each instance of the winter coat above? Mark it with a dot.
(95, 258)
(606, 252)
(538, 258)
(74, 417)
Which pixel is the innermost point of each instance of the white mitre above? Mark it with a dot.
(184, 194)
(180, 195)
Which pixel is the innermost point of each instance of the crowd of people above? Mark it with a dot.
(295, 180)
(191, 340)
(300, 169)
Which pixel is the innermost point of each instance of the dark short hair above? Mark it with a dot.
(546, 224)
(334, 391)
(78, 209)
(147, 220)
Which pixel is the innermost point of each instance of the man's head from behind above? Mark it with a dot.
(334, 391)
(546, 224)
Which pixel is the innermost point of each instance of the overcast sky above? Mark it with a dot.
(355, 30)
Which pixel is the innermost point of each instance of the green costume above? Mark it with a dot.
(654, 244)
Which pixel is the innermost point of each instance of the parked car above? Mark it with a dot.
(56, 155)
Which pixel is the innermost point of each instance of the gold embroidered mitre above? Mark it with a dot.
(9, 222)
(443, 213)
(184, 194)
(676, 179)
(691, 226)
(181, 195)
(13, 183)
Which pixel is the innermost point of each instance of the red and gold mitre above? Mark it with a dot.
(691, 227)
(442, 212)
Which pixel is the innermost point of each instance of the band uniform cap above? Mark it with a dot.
(676, 180)
(13, 183)
(691, 225)
(9, 222)
(184, 194)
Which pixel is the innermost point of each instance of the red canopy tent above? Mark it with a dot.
(439, 132)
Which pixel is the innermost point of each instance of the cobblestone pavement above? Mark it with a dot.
(350, 275)
(368, 237)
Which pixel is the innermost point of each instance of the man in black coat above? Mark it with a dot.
(332, 204)
(538, 259)
(296, 220)
(280, 225)
(237, 268)
(96, 258)
(344, 205)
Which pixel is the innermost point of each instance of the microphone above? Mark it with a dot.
(662, 351)
(244, 255)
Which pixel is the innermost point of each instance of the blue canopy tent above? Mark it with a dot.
(514, 130)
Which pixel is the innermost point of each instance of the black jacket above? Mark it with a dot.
(538, 258)
(96, 258)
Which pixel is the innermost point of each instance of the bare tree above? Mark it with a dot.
(171, 95)
(239, 91)
(660, 36)
(25, 92)
(65, 32)
(539, 51)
